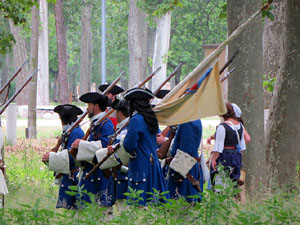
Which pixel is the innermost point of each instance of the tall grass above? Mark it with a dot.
(32, 199)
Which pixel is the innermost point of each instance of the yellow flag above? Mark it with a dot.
(192, 102)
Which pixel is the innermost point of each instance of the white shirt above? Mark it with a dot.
(220, 138)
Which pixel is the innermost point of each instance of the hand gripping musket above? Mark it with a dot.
(111, 141)
(114, 136)
(78, 121)
(13, 76)
(17, 92)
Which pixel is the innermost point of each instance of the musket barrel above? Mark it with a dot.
(13, 76)
(17, 92)
(169, 77)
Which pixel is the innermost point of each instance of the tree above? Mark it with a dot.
(43, 62)
(246, 87)
(137, 44)
(194, 24)
(4, 76)
(272, 47)
(86, 49)
(20, 54)
(283, 127)
(161, 48)
(62, 52)
(34, 45)
(16, 11)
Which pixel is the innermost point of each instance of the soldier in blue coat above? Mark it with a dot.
(187, 139)
(118, 183)
(68, 115)
(144, 172)
(96, 184)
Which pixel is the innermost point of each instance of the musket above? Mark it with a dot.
(229, 62)
(168, 78)
(111, 110)
(13, 77)
(227, 74)
(111, 141)
(18, 91)
(78, 121)
(114, 136)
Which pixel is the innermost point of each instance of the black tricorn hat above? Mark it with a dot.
(67, 110)
(162, 93)
(115, 90)
(94, 97)
(138, 94)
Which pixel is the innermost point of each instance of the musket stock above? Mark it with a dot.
(18, 91)
(102, 161)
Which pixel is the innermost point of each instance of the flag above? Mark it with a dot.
(203, 98)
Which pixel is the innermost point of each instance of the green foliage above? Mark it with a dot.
(158, 7)
(269, 83)
(223, 12)
(35, 203)
(195, 24)
(17, 11)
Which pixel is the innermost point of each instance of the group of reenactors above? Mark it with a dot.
(161, 165)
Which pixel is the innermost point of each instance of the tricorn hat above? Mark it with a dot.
(162, 93)
(67, 110)
(115, 90)
(94, 97)
(138, 94)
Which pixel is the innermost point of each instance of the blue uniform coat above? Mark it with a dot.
(65, 200)
(187, 139)
(144, 167)
(97, 183)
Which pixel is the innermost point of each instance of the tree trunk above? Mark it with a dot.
(55, 87)
(34, 44)
(272, 45)
(246, 87)
(161, 48)
(86, 49)
(283, 127)
(43, 61)
(137, 44)
(4, 77)
(19, 56)
(150, 50)
(61, 35)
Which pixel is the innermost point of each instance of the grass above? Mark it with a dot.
(32, 198)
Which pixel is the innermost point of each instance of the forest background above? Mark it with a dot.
(269, 54)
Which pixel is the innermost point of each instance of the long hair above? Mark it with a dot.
(144, 108)
(230, 112)
(68, 119)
